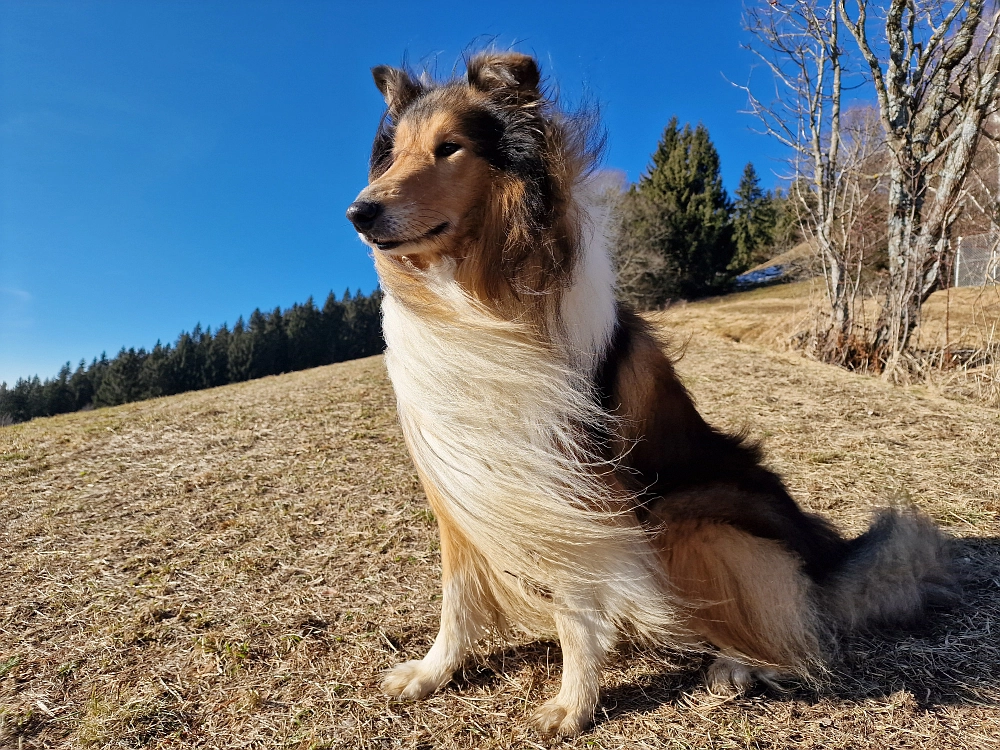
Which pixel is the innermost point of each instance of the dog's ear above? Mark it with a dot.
(506, 72)
(398, 88)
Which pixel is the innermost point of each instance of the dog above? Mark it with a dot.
(578, 492)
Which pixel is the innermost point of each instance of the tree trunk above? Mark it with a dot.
(834, 343)
(901, 308)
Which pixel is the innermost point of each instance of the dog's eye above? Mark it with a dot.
(446, 149)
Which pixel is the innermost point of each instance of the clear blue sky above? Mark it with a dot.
(169, 163)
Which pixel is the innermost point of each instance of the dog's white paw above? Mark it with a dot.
(412, 680)
(554, 719)
(728, 676)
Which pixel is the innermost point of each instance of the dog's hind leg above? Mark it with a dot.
(746, 596)
(585, 638)
(467, 611)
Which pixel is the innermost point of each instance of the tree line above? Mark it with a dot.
(681, 235)
(268, 343)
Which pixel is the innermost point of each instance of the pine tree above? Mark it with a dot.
(273, 354)
(81, 384)
(156, 375)
(18, 403)
(362, 327)
(121, 382)
(6, 407)
(58, 396)
(240, 353)
(306, 339)
(367, 324)
(333, 329)
(217, 358)
(754, 220)
(684, 215)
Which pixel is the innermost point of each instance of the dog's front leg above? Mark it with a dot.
(466, 612)
(585, 638)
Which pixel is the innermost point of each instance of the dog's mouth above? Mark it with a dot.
(393, 244)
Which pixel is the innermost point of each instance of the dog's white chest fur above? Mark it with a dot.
(492, 419)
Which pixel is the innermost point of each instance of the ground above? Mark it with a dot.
(233, 568)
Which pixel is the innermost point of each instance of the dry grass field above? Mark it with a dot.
(233, 568)
(961, 317)
(968, 316)
(964, 322)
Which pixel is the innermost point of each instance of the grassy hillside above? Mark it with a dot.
(233, 568)
(962, 317)
(963, 321)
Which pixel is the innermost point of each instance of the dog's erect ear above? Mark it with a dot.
(397, 86)
(509, 72)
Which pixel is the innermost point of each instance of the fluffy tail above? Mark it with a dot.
(894, 571)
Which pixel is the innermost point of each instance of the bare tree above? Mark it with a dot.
(642, 227)
(935, 74)
(860, 219)
(982, 192)
(832, 181)
(635, 228)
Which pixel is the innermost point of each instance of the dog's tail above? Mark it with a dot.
(893, 572)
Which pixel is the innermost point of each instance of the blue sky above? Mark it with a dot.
(169, 163)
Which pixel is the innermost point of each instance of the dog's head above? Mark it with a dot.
(449, 160)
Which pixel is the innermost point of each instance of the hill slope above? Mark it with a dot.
(234, 567)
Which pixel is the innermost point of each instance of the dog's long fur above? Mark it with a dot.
(578, 491)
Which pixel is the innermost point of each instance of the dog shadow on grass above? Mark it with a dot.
(952, 658)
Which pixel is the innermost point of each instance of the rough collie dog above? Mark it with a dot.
(578, 491)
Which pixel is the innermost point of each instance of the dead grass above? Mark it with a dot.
(965, 317)
(768, 315)
(960, 329)
(233, 568)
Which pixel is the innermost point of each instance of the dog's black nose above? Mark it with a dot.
(362, 214)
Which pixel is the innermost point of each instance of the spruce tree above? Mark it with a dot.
(262, 359)
(6, 407)
(24, 400)
(240, 353)
(685, 216)
(333, 329)
(155, 374)
(186, 364)
(82, 385)
(217, 358)
(98, 370)
(121, 382)
(275, 343)
(306, 342)
(754, 220)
